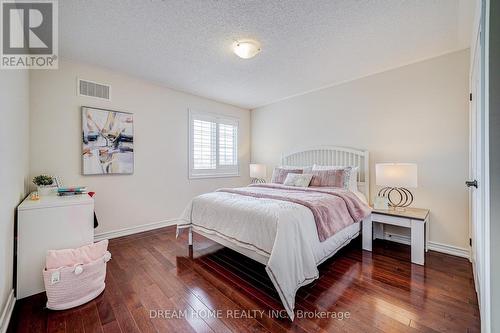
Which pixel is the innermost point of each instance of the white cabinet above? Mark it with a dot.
(51, 223)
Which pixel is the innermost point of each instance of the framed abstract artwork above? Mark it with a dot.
(107, 141)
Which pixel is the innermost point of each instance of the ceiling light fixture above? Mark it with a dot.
(246, 49)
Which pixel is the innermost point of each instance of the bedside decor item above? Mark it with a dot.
(108, 142)
(57, 181)
(258, 173)
(396, 178)
(381, 203)
(34, 196)
(45, 184)
(63, 191)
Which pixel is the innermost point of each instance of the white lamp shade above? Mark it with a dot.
(257, 171)
(396, 174)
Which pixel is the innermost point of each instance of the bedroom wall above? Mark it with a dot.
(159, 189)
(416, 113)
(14, 126)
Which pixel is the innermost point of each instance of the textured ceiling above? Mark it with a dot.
(306, 44)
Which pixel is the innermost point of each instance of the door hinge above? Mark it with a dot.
(470, 242)
(470, 97)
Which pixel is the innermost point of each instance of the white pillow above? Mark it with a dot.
(297, 179)
(353, 175)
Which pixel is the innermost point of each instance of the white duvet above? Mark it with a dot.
(283, 231)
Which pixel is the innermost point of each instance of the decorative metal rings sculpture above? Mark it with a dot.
(405, 197)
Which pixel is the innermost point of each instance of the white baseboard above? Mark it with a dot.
(134, 230)
(434, 246)
(450, 249)
(7, 312)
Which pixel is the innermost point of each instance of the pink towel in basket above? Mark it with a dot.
(72, 257)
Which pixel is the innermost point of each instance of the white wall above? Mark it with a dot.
(416, 113)
(159, 189)
(14, 112)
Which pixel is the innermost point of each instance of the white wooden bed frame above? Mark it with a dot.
(323, 155)
(328, 155)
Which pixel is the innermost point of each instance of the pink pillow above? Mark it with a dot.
(279, 174)
(330, 178)
(71, 257)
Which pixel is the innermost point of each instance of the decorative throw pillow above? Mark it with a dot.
(331, 178)
(353, 174)
(279, 174)
(299, 180)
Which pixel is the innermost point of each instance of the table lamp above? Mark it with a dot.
(258, 173)
(396, 179)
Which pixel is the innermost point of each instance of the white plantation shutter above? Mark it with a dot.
(227, 139)
(204, 140)
(213, 144)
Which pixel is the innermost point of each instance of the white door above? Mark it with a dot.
(476, 167)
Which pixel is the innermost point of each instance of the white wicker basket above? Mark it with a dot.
(68, 287)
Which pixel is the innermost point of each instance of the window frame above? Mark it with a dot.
(220, 171)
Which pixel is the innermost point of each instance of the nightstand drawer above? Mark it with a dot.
(394, 220)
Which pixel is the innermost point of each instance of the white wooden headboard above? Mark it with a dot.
(328, 155)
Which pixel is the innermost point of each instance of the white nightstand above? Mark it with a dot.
(416, 219)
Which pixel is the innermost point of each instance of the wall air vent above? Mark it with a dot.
(93, 89)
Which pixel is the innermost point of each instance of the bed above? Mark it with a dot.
(275, 225)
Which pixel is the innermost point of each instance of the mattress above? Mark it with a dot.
(322, 250)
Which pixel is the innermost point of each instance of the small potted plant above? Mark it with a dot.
(44, 183)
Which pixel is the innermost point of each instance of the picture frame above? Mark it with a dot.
(107, 141)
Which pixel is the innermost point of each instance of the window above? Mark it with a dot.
(213, 145)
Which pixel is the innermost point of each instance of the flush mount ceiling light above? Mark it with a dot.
(246, 49)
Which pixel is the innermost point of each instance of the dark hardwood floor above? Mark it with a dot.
(151, 276)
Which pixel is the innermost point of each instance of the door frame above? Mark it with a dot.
(486, 300)
(481, 232)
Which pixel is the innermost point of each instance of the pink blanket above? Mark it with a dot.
(333, 209)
